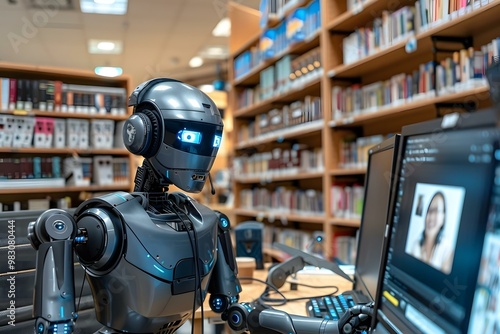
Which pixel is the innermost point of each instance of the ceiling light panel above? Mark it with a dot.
(214, 52)
(108, 71)
(223, 28)
(196, 62)
(100, 46)
(110, 7)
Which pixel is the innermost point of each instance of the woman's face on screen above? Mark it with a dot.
(435, 215)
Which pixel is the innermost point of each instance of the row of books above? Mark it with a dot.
(278, 162)
(436, 11)
(276, 9)
(289, 73)
(311, 242)
(57, 96)
(394, 26)
(299, 25)
(283, 200)
(346, 200)
(47, 132)
(400, 88)
(57, 171)
(383, 32)
(97, 170)
(353, 152)
(282, 119)
(305, 68)
(344, 248)
(464, 70)
(296, 113)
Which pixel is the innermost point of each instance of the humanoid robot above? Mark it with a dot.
(152, 256)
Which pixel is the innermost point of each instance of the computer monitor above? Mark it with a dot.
(444, 185)
(378, 184)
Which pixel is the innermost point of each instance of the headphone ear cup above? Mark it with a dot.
(154, 133)
(142, 133)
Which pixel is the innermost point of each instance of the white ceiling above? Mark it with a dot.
(159, 36)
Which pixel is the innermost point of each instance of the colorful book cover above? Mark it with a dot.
(267, 43)
(295, 25)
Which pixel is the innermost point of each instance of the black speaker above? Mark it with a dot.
(249, 241)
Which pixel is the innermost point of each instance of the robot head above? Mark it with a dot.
(178, 128)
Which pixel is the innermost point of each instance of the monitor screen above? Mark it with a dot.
(378, 181)
(438, 221)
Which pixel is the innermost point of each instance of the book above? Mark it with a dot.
(4, 94)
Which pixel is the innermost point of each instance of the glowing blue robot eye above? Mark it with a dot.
(192, 137)
(217, 140)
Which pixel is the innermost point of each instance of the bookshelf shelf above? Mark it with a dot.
(275, 254)
(312, 218)
(348, 222)
(306, 129)
(406, 109)
(65, 151)
(352, 19)
(47, 105)
(311, 87)
(334, 135)
(347, 171)
(373, 62)
(279, 178)
(63, 114)
(66, 189)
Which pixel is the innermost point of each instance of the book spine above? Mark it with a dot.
(12, 93)
(4, 101)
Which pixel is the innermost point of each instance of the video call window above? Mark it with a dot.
(434, 223)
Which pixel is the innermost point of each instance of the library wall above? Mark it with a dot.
(60, 137)
(323, 81)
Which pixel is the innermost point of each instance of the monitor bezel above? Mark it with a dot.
(392, 143)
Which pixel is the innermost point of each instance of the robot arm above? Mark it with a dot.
(256, 319)
(52, 236)
(224, 285)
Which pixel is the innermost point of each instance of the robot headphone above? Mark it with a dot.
(142, 131)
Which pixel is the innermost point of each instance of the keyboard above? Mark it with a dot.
(329, 307)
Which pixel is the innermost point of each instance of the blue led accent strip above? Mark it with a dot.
(159, 269)
(120, 196)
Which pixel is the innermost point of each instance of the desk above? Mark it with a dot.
(254, 290)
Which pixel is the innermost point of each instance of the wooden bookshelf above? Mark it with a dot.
(478, 24)
(31, 151)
